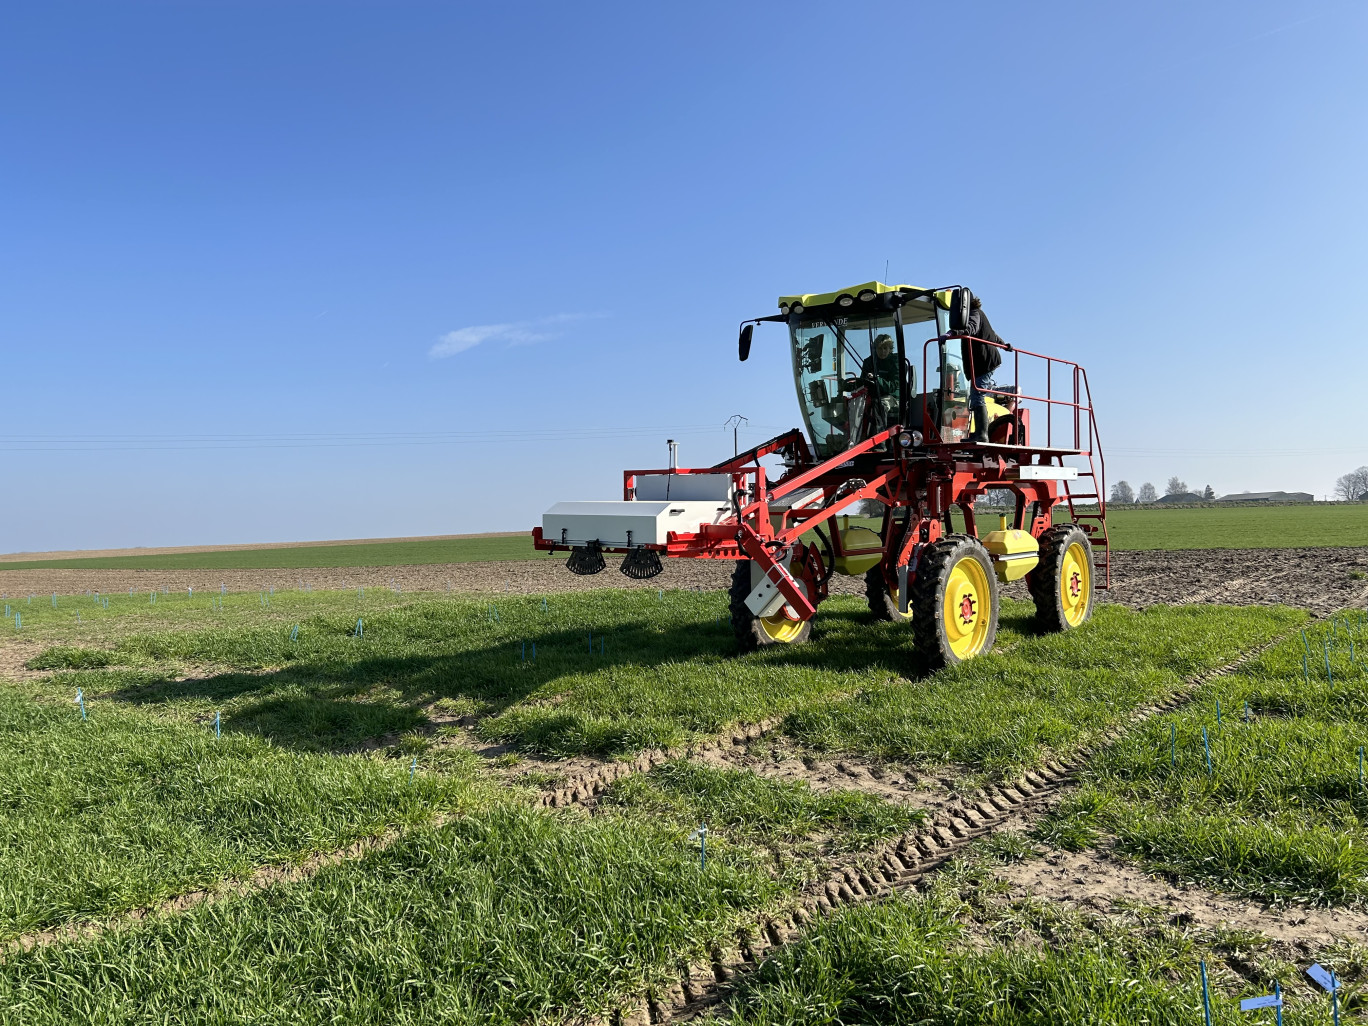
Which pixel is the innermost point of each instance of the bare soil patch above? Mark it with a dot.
(14, 657)
(1098, 881)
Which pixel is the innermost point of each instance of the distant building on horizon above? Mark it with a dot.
(1181, 497)
(1268, 497)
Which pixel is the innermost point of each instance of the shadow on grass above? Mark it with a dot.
(344, 692)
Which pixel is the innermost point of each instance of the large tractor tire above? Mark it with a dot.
(954, 601)
(883, 598)
(1062, 582)
(753, 631)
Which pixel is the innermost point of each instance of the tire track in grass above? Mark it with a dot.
(585, 787)
(261, 879)
(591, 776)
(899, 864)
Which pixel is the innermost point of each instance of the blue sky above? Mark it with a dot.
(294, 270)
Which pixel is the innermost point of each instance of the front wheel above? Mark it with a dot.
(954, 601)
(1062, 582)
(753, 631)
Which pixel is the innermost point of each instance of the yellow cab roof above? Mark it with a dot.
(916, 310)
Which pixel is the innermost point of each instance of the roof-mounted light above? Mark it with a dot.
(783, 308)
(867, 296)
(796, 308)
(845, 300)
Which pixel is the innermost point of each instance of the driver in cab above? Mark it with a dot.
(879, 372)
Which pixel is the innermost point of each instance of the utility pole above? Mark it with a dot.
(734, 422)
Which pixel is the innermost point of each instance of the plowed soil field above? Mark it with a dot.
(1309, 578)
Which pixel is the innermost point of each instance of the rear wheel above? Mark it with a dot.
(954, 601)
(883, 597)
(753, 631)
(1062, 582)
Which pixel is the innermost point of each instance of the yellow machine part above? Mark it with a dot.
(995, 410)
(858, 538)
(1015, 553)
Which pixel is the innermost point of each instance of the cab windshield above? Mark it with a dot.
(849, 378)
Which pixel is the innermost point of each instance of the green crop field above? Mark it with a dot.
(1278, 811)
(349, 717)
(1239, 527)
(398, 553)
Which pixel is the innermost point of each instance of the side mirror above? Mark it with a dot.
(960, 309)
(743, 343)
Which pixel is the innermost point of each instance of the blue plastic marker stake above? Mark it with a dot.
(54, 600)
(413, 768)
(1206, 996)
(218, 725)
(524, 651)
(1218, 712)
(1325, 978)
(18, 622)
(1306, 671)
(294, 634)
(1273, 1001)
(80, 700)
(543, 605)
(660, 595)
(1173, 744)
(360, 630)
(1207, 745)
(534, 651)
(702, 834)
(1328, 675)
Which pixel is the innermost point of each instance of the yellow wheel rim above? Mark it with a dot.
(967, 609)
(781, 628)
(1075, 584)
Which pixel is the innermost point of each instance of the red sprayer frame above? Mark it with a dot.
(917, 484)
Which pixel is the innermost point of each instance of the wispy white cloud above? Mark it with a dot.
(514, 333)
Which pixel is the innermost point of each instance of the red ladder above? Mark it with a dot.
(1093, 521)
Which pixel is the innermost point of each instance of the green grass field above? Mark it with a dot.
(1240, 527)
(402, 553)
(487, 909)
(1279, 812)
(122, 810)
(965, 954)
